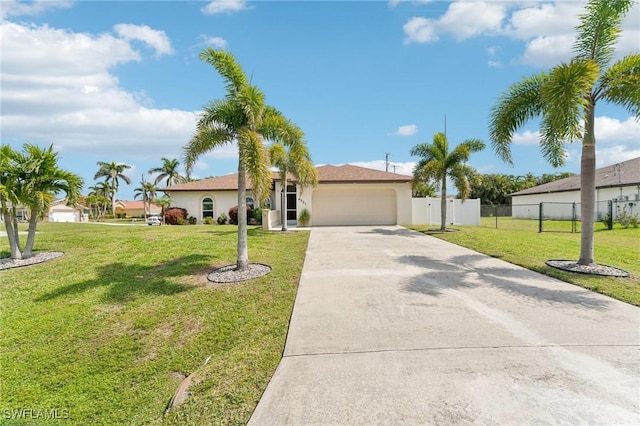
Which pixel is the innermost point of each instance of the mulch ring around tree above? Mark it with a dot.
(594, 269)
(229, 274)
(439, 231)
(8, 263)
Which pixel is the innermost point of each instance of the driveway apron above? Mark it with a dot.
(394, 327)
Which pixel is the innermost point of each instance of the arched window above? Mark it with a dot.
(207, 208)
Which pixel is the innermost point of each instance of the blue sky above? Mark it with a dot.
(121, 81)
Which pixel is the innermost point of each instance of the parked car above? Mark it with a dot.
(154, 220)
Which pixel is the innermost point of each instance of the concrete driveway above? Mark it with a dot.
(394, 327)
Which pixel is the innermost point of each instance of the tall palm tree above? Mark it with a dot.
(112, 172)
(241, 117)
(565, 100)
(168, 170)
(147, 191)
(295, 161)
(437, 163)
(9, 197)
(37, 179)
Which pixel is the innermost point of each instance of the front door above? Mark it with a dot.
(292, 199)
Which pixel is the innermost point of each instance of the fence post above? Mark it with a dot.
(540, 219)
(495, 213)
(610, 212)
(574, 228)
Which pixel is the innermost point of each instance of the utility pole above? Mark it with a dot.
(386, 162)
(394, 168)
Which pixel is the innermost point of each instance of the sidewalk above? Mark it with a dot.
(394, 327)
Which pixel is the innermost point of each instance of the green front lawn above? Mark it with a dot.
(518, 242)
(106, 333)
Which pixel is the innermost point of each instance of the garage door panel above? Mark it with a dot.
(357, 206)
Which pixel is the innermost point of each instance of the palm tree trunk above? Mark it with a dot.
(283, 207)
(31, 235)
(587, 188)
(443, 204)
(242, 262)
(14, 244)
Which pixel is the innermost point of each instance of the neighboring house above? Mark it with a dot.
(136, 208)
(59, 211)
(618, 183)
(345, 195)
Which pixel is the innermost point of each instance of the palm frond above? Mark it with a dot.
(202, 142)
(227, 66)
(255, 158)
(620, 84)
(250, 100)
(222, 113)
(599, 29)
(460, 177)
(520, 103)
(551, 144)
(566, 95)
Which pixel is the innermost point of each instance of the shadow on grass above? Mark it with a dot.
(472, 270)
(125, 282)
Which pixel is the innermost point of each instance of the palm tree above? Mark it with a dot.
(112, 172)
(565, 100)
(100, 196)
(9, 197)
(147, 191)
(297, 162)
(241, 117)
(437, 163)
(168, 170)
(37, 178)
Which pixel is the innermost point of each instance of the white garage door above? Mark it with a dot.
(64, 216)
(354, 206)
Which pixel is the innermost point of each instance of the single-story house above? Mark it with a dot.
(136, 208)
(59, 211)
(619, 183)
(345, 195)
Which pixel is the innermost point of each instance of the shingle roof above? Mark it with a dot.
(628, 174)
(138, 204)
(326, 174)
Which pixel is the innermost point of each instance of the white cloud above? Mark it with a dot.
(155, 39)
(546, 52)
(215, 42)
(420, 30)
(408, 130)
(547, 28)
(526, 138)
(463, 19)
(615, 154)
(466, 19)
(57, 88)
(21, 8)
(224, 6)
(612, 130)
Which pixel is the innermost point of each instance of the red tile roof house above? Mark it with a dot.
(345, 195)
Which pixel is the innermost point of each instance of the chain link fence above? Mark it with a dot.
(556, 217)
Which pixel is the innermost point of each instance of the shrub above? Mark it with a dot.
(257, 215)
(233, 214)
(180, 220)
(222, 219)
(624, 218)
(192, 220)
(634, 221)
(208, 220)
(172, 214)
(304, 217)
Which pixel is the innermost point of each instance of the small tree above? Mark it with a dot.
(112, 172)
(437, 163)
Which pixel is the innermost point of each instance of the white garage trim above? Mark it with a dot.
(354, 206)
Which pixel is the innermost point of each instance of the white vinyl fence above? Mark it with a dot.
(426, 211)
